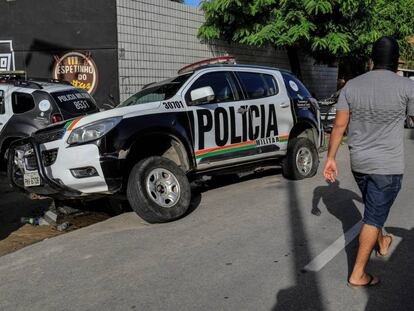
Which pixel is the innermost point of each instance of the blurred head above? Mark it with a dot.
(386, 53)
(340, 83)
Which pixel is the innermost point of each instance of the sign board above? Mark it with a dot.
(77, 68)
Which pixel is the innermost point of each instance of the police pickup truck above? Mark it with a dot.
(213, 120)
(29, 105)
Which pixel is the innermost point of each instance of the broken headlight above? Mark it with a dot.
(92, 131)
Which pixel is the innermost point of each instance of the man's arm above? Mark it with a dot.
(410, 100)
(341, 123)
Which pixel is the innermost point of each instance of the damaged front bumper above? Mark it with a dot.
(25, 161)
(52, 169)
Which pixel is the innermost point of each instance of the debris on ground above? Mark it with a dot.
(18, 213)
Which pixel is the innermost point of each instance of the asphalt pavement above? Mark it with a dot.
(246, 245)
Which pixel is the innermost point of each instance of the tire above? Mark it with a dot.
(293, 166)
(158, 190)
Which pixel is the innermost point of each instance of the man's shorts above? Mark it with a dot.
(378, 194)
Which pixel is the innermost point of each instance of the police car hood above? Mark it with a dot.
(128, 111)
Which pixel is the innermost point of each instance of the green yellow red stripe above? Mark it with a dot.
(213, 153)
(248, 143)
(283, 138)
(232, 148)
(71, 124)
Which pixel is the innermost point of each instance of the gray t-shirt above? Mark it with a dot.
(378, 102)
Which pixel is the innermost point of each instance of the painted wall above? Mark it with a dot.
(41, 29)
(158, 37)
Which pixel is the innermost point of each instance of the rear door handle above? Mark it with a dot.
(284, 105)
(242, 110)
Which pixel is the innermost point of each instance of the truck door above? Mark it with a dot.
(219, 125)
(270, 110)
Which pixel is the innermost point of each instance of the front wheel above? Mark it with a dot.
(302, 159)
(158, 190)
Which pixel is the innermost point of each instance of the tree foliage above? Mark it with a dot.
(328, 30)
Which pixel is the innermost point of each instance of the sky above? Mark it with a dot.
(192, 2)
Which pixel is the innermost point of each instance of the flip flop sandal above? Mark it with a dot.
(370, 283)
(378, 252)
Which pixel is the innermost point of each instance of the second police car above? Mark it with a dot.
(214, 119)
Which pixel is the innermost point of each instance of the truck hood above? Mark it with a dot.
(140, 109)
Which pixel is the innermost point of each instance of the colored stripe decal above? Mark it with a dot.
(232, 148)
(70, 125)
(218, 152)
(283, 139)
(201, 152)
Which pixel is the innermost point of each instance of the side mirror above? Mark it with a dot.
(202, 95)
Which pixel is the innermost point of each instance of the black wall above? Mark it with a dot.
(41, 29)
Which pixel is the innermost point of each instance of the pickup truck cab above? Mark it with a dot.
(209, 121)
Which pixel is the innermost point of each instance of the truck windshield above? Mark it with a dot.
(157, 92)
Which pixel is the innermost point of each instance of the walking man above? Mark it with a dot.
(373, 106)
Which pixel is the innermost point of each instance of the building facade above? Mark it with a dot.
(114, 47)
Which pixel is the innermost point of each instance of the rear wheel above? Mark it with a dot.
(158, 190)
(301, 160)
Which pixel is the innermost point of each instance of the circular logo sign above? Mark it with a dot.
(78, 69)
(293, 85)
(44, 105)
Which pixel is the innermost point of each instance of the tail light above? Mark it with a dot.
(56, 118)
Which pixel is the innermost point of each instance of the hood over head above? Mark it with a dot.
(386, 53)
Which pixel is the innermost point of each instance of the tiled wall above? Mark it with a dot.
(320, 79)
(158, 37)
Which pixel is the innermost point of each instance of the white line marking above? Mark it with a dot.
(328, 254)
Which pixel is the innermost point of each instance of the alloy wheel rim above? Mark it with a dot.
(304, 161)
(163, 187)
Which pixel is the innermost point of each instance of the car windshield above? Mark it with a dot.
(157, 92)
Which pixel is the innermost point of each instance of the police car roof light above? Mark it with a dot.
(210, 61)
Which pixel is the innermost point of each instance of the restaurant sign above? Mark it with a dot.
(77, 68)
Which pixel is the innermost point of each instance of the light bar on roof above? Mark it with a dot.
(210, 61)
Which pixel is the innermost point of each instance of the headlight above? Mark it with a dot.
(92, 131)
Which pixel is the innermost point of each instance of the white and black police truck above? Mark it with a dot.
(212, 120)
(29, 105)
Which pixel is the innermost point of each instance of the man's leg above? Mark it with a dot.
(367, 240)
(379, 193)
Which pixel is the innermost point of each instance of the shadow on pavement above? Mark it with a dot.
(305, 294)
(340, 203)
(396, 291)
